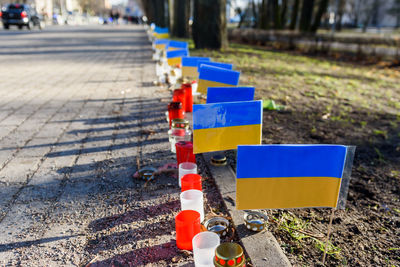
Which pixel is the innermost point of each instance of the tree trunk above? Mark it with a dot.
(255, 14)
(276, 14)
(323, 5)
(283, 13)
(148, 8)
(263, 22)
(338, 25)
(306, 15)
(161, 17)
(209, 24)
(293, 17)
(180, 18)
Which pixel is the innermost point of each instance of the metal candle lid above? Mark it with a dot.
(229, 254)
(180, 123)
(255, 221)
(174, 105)
(147, 173)
(218, 160)
(218, 225)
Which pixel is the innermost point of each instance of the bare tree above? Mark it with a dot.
(339, 15)
(209, 24)
(295, 12)
(306, 15)
(322, 7)
(395, 11)
(180, 18)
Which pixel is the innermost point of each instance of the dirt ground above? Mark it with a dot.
(332, 102)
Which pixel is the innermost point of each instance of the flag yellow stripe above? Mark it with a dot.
(190, 72)
(204, 84)
(161, 35)
(224, 138)
(160, 46)
(284, 192)
(174, 48)
(174, 61)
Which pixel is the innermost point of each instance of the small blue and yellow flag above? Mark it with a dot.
(161, 44)
(177, 45)
(161, 33)
(289, 176)
(229, 94)
(210, 76)
(214, 64)
(189, 66)
(174, 57)
(223, 126)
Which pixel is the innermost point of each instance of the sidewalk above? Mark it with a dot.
(73, 129)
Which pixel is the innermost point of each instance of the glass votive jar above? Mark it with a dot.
(204, 245)
(179, 132)
(184, 152)
(229, 254)
(193, 200)
(186, 168)
(187, 225)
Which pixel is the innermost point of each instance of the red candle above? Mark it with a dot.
(179, 96)
(188, 96)
(175, 111)
(187, 225)
(184, 152)
(191, 181)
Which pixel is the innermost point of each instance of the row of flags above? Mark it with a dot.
(268, 176)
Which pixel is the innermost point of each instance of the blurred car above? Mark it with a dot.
(20, 15)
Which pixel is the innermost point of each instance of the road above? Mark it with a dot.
(78, 113)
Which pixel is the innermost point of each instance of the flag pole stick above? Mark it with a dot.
(327, 235)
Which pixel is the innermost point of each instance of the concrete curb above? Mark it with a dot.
(262, 248)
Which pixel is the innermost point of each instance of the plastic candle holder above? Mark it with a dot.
(204, 245)
(187, 225)
(191, 181)
(186, 168)
(193, 200)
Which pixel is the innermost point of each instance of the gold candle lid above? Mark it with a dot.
(229, 255)
(180, 123)
(218, 160)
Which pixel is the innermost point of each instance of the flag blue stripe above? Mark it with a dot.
(274, 161)
(161, 30)
(161, 41)
(227, 114)
(214, 64)
(178, 44)
(177, 53)
(220, 75)
(192, 61)
(229, 94)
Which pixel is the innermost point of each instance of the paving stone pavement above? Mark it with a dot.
(78, 113)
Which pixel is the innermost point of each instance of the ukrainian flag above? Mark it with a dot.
(189, 66)
(216, 77)
(161, 33)
(229, 94)
(177, 45)
(214, 64)
(161, 44)
(289, 176)
(174, 57)
(223, 126)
